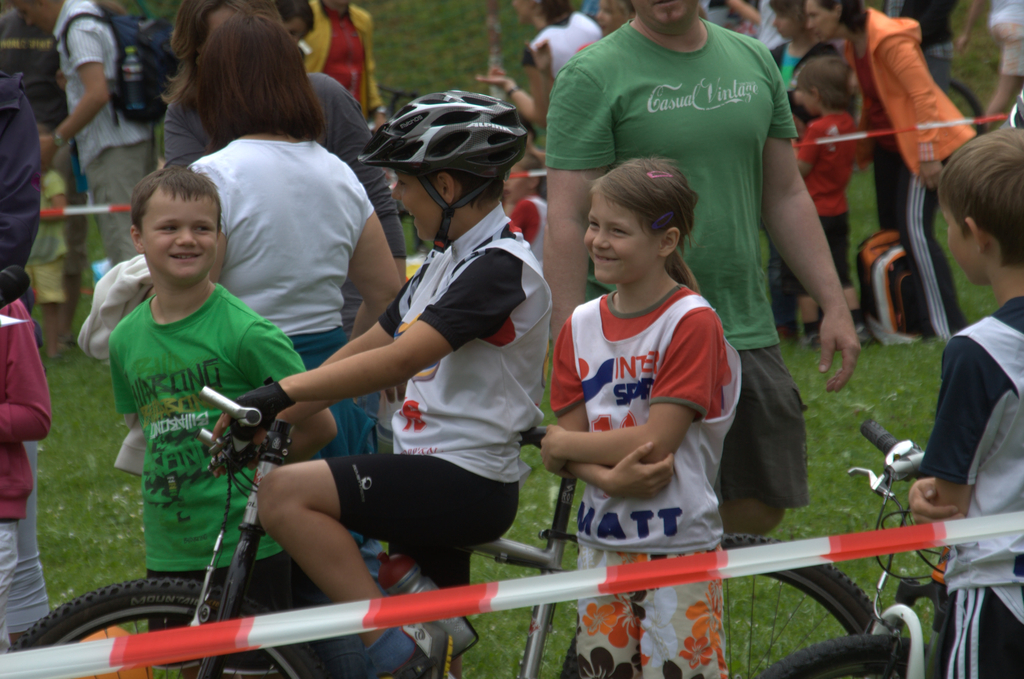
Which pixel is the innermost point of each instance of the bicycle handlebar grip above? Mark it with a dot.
(247, 416)
(877, 435)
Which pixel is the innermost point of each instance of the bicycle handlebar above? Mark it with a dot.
(878, 436)
(250, 417)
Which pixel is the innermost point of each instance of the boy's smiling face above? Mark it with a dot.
(178, 238)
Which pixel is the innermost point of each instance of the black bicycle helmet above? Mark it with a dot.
(452, 130)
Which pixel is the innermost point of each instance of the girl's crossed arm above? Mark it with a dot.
(629, 462)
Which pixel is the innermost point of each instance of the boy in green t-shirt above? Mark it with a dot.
(193, 333)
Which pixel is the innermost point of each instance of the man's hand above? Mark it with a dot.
(838, 335)
(632, 477)
(922, 497)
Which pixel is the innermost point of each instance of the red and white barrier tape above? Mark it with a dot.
(292, 627)
(54, 213)
(867, 134)
(528, 173)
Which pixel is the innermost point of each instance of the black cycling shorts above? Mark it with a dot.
(424, 507)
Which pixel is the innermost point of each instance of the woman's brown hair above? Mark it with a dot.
(191, 29)
(555, 10)
(658, 195)
(253, 82)
(854, 15)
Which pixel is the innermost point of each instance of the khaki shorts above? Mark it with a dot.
(48, 281)
(765, 451)
(1010, 38)
(653, 633)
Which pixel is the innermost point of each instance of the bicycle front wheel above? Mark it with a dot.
(767, 617)
(862, 655)
(141, 605)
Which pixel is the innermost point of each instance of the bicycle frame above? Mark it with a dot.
(892, 620)
(236, 581)
(546, 560)
(902, 461)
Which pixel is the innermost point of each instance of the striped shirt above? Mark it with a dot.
(92, 41)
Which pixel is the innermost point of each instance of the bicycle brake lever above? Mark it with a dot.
(214, 446)
(874, 480)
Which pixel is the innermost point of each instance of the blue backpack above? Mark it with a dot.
(151, 39)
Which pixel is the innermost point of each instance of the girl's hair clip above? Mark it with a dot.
(655, 174)
(662, 220)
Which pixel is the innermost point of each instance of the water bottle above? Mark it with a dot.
(134, 95)
(399, 574)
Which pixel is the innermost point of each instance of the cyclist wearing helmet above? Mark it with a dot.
(469, 333)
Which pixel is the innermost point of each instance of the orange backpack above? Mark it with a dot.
(887, 294)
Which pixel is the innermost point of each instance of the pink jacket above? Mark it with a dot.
(24, 409)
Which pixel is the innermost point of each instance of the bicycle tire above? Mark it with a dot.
(131, 606)
(838, 607)
(862, 655)
(961, 92)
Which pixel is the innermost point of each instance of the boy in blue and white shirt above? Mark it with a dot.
(975, 456)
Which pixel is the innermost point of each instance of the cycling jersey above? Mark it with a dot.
(619, 365)
(978, 440)
(485, 294)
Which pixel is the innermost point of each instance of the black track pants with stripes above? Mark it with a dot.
(905, 204)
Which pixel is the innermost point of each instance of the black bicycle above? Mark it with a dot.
(883, 651)
(766, 617)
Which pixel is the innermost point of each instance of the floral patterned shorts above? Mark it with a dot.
(670, 633)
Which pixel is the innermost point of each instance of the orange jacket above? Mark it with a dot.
(908, 93)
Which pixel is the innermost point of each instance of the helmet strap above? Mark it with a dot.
(441, 241)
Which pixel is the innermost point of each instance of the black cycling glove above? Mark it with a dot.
(270, 399)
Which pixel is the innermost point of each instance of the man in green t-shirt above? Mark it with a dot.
(670, 85)
(190, 334)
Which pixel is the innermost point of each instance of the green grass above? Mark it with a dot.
(90, 530)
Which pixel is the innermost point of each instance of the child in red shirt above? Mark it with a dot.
(823, 89)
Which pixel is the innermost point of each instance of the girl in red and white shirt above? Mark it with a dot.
(645, 388)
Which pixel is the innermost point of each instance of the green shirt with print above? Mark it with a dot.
(710, 112)
(157, 372)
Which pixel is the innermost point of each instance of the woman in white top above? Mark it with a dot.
(296, 221)
(562, 33)
(1006, 24)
